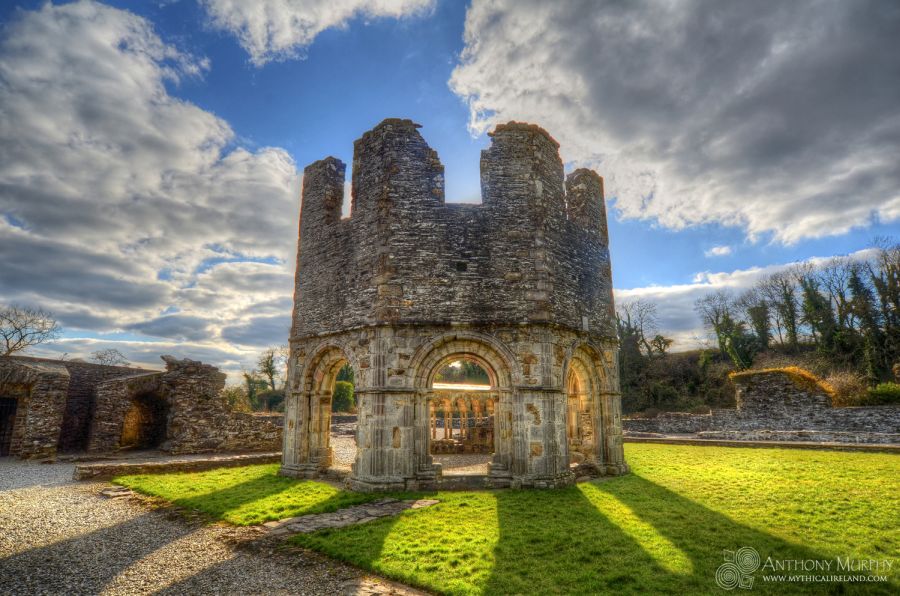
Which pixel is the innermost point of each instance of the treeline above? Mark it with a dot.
(839, 318)
(845, 309)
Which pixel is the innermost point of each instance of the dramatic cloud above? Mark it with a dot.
(780, 117)
(718, 251)
(123, 208)
(281, 29)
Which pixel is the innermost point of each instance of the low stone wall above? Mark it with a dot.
(669, 422)
(106, 470)
(816, 436)
(795, 408)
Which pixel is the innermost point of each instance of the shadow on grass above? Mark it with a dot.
(631, 535)
(366, 545)
(255, 500)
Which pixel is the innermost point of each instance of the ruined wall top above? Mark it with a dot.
(534, 251)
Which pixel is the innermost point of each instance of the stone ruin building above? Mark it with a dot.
(51, 406)
(519, 285)
(777, 405)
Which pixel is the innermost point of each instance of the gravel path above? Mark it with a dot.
(60, 537)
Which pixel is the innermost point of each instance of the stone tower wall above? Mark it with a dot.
(535, 250)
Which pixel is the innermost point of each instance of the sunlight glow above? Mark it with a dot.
(461, 386)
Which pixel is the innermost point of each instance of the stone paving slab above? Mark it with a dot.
(357, 514)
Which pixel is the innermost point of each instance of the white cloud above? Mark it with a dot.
(779, 117)
(124, 208)
(280, 29)
(718, 251)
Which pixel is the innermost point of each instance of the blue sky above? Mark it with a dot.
(717, 161)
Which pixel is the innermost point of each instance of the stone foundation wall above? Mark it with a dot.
(775, 402)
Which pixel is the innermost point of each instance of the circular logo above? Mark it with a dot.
(747, 559)
(728, 575)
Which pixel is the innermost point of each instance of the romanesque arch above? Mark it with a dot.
(496, 404)
(497, 358)
(308, 412)
(593, 428)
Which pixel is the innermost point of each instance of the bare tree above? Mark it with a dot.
(716, 310)
(22, 327)
(641, 316)
(109, 357)
(835, 279)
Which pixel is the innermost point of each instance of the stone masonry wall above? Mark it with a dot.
(40, 388)
(83, 378)
(535, 250)
(773, 404)
(199, 417)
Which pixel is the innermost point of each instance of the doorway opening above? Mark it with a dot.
(461, 418)
(343, 421)
(8, 407)
(144, 426)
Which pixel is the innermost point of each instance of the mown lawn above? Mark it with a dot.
(662, 529)
(246, 495)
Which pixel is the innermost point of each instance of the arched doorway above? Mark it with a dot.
(492, 402)
(145, 422)
(315, 405)
(584, 409)
(462, 409)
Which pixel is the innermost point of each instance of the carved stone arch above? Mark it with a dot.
(585, 384)
(498, 360)
(321, 359)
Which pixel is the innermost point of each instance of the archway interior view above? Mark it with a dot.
(461, 417)
(341, 415)
(8, 407)
(144, 426)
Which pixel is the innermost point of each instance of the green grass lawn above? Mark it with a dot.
(662, 529)
(244, 495)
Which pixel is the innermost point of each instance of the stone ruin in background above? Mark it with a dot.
(519, 285)
(50, 406)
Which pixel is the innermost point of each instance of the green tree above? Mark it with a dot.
(865, 309)
(342, 398)
(271, 364)
(818, 314)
